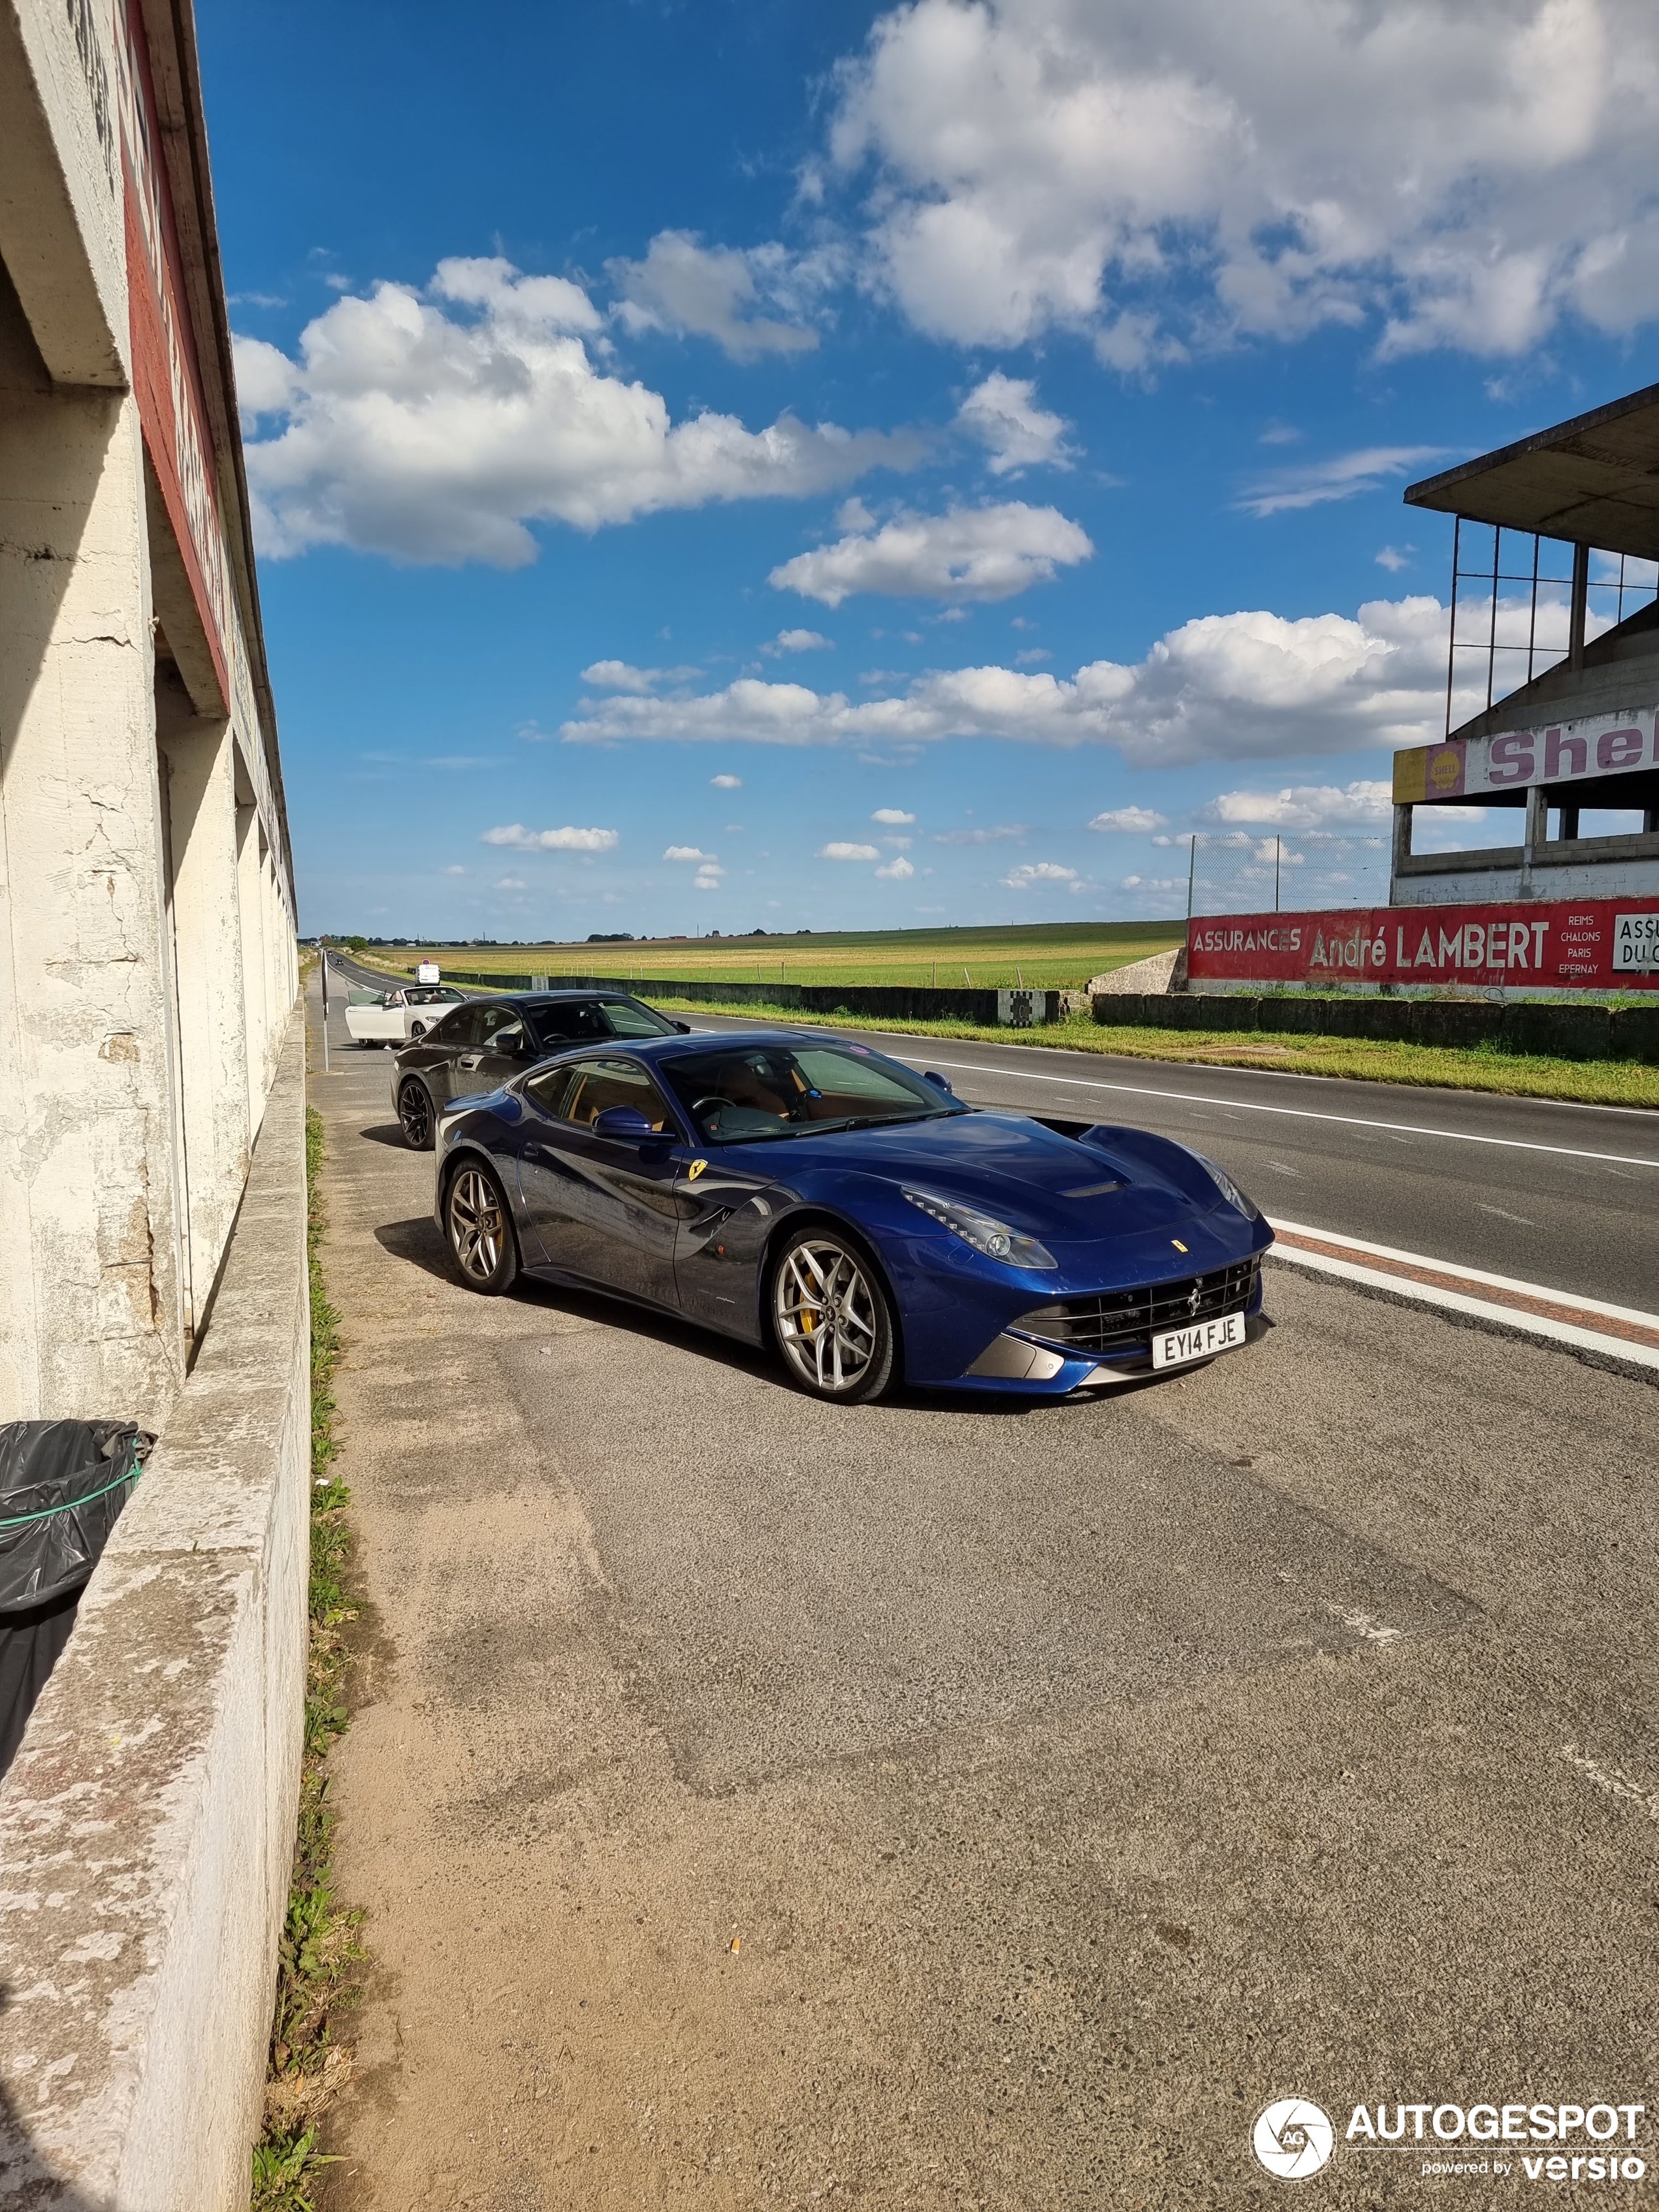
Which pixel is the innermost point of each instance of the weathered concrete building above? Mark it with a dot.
(146, 894)
(152, 1231)
(1554, 610)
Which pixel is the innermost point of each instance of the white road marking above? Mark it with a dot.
(1514, 1317)
(1520, 1219)
(1468, 1275)
(1296, 1112)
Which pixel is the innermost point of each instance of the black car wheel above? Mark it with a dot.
(831, 1318)
(414, 1116)
(481, 1232)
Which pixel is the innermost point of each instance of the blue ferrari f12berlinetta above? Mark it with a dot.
(810, 1193)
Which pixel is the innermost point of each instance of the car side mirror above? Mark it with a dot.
(622, 1121)
(685, 1028)
(938, 1083)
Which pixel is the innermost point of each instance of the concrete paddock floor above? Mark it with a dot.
(760, 1804)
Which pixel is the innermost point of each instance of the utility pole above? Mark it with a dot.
(1191, 866)
(1279, 847)
(325, 956)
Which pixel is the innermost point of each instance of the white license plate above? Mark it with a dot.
(1171, 1346)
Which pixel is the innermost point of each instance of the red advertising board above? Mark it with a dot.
(1586, 944)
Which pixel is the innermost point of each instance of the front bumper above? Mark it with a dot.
(969, 1324)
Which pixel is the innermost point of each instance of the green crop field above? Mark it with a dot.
(1053, 956)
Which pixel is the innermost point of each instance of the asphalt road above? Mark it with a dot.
(759, 1804)
(1566, 1196)
(1560, 1195)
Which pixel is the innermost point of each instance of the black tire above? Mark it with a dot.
(478, 1229)
(417, 1032)
(831, 1318)
(414, 1116)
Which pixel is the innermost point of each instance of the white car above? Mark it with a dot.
(398, 1015)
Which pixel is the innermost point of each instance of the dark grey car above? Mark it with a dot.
(478, 1046)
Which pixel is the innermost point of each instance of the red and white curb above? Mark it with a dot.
(1614, 1333)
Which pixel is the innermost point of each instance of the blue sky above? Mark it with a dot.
(742, 464)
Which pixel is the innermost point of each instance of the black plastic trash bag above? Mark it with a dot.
(62, 1485)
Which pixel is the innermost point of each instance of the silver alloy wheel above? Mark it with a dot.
(476, 1227)
(415, 1116)
(825, 1315)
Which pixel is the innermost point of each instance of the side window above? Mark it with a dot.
(548, 1091)
(596, 1083)
(501, 1030)
(627, 1020)
(569, 1021)
(454, 1031)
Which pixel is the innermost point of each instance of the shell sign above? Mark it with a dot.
(1563, 752)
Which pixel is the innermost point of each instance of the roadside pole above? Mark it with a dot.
(324, 959)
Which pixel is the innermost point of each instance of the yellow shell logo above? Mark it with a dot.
(1444, 769)
(695, 1170)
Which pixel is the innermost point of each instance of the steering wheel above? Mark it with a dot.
(712, 1107)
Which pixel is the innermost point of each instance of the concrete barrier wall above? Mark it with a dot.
(147, 1825)
(1566, 1032)
(885, 1002)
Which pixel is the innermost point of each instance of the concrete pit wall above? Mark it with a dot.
(1528, 1025)
(147, 1824)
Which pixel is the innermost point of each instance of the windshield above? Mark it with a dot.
(738, 1093)
(584, 1021)
(628, 1019)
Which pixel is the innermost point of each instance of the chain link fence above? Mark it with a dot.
(1233, 872)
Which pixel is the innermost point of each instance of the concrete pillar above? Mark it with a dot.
(212, 1023)
(91, 1305)
(250, 912)
(1535, 835)
(1401, 850)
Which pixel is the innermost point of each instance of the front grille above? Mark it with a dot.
(1121, 1322)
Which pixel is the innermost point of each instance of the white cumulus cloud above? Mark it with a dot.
(1030, 872)
(437, 425)
(798, 641)
(842, 851)
(895, 817)
(690, 853)
(685, 288)
(1448, 173)
(622, 675)
(1252, 686)
(1133, 820)
(897, 871)
(727, 782)
(1306, 805)
(551, 840)
(971, 553)
(1002, 413)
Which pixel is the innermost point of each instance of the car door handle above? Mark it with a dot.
(469, 1059)
(532, 1152)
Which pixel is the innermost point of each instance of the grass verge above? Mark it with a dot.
(320, 1950)
(1473, 1067)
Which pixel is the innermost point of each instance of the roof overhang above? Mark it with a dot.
(1594, 480)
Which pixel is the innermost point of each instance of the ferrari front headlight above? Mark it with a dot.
(987, 1235)
(1229, 1189)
